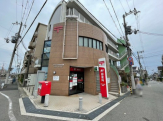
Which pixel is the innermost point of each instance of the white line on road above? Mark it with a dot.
(10, 112)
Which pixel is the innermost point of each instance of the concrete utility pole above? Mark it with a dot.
(13, 53)
(129, 31)
(26, 76)
(141, 71)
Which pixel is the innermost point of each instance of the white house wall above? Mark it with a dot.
(56, 18)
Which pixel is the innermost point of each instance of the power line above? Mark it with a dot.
(116, 17)
(154, 52)
(32, 23)
(152, 56)
(16, 10)
(10, 30)
(133, 3)
(112, 18)
(138, 27)
(24, 45)
(22, 8)
(24, 11)
(128, 5)
(122, 6)
(7, 29)
(155, 34)
(27, 17)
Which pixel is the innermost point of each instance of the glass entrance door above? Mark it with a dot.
(76, 81)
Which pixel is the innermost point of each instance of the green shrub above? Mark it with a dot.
(124, 84)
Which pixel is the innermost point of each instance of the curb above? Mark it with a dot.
(31, 110)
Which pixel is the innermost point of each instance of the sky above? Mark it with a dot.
(149, 19)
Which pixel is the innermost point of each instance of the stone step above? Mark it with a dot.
(114, 83)
(116, 91)
(114, 86)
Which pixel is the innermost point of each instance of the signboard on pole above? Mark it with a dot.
(131, 62)
(103, 77)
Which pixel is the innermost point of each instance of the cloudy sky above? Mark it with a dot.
(150, 19)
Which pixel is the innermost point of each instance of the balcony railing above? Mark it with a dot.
(124, 64)
(35, 34)
(113, 53)
(110, 42)
(122, 53)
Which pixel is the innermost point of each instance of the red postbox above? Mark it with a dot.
(44, 88)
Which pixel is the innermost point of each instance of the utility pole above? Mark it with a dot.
(129, 31)
(13, 53)
(141, 73)
(26, 76)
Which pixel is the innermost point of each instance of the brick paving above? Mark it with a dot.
(30, 108)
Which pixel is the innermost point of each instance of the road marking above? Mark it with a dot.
(10, 112)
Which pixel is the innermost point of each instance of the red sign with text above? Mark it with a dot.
(76, 69)
(103, 82)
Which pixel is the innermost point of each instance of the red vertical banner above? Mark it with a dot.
(103, 82)
(103, 78)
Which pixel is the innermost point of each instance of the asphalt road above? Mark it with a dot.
(132, 108)
(135, 108)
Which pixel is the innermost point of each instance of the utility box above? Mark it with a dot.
(44, 88)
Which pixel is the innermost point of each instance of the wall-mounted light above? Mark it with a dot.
(54, 72)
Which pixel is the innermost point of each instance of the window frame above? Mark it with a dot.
(92, 41)
(95, 43)
(82, 42)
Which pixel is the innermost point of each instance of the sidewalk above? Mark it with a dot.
(9, 86)
(66, 107)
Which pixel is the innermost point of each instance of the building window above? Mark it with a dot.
(101, 46)
(89, 42)
(106, 48)
(94, 44)
(46, 55)
(98, 45)
(45, 63)
(80, 41)
(85, 42)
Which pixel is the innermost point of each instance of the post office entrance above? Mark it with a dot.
(76, 80)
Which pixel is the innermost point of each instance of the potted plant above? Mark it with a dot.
(124, 87)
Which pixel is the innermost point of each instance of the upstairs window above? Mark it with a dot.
(80, 41)
(94, 44)
(85, 42)
(89, 42)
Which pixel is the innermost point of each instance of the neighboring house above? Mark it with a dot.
(117, 54)
(160, 68)
(155, 76)
(36, 47)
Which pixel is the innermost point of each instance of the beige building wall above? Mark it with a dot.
(87, 57)
(39, 41)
